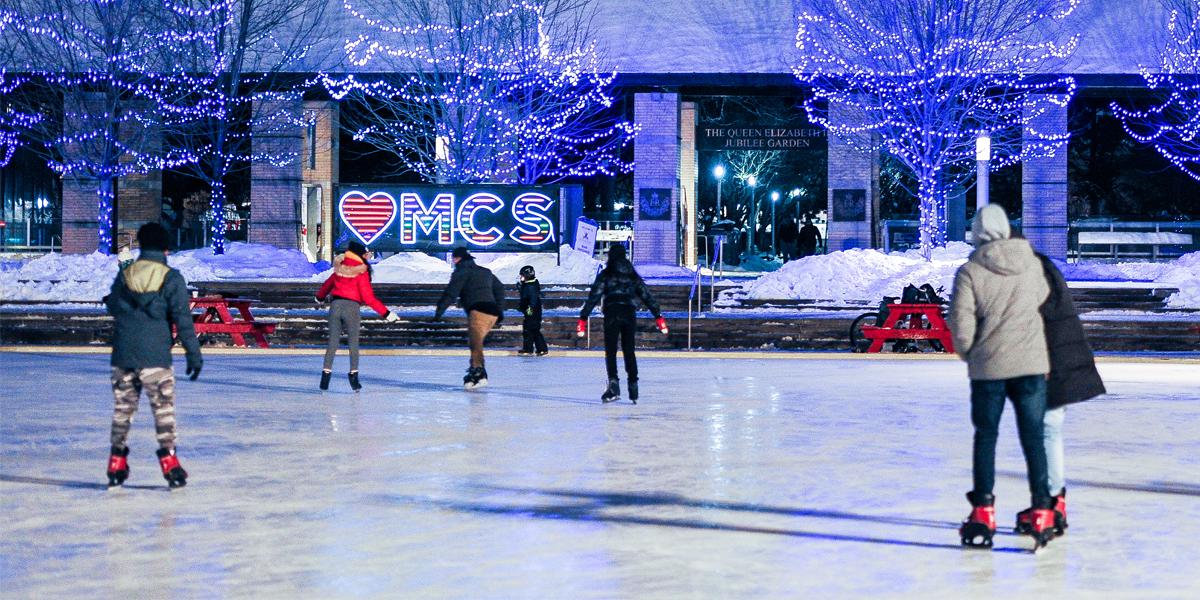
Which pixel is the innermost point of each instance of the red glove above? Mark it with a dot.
(661, 324)
(581, 328)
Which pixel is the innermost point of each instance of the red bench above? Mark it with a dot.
(216, 317)
(925, 322)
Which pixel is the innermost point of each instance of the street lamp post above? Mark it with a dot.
(719, 173)
(983, 154)
(752, 220)
(774, 201)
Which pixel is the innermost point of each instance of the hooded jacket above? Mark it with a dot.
(146, 299)
(1073, 374)
(994, 314)
(619, 285)
(351, 281)
(471, 284)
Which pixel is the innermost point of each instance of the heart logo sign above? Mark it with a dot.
(367, 216)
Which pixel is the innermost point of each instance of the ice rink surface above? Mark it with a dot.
(733, 478)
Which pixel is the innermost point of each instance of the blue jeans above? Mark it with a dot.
(1055, 469)
(1028, 396)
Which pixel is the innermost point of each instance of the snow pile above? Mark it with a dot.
(88, 277)
(418, 267)
(859, 274)
(242, 261)
(1184, 274)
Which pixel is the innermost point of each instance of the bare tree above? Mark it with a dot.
(100, 89)
(241, 89)
(489, 90)
(925, 78)
(1171, 122)
(754, 170)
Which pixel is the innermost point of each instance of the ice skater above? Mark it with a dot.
(530, 291)
(1073, 378)
(620, 287)
(481, 295)
(999, 332)
(350, 288)
(146, 299)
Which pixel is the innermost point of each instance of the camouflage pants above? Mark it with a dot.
(127, 385)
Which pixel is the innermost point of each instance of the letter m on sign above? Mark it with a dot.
(435, 219)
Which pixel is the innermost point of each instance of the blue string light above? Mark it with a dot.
(924, 84)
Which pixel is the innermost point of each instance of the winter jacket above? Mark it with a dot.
(471, 284)
(619, 285)
(531, 297)
(146, 298)
(351, 281)
(994, 314)
(1073, 374)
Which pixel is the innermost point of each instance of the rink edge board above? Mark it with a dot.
(680, 354)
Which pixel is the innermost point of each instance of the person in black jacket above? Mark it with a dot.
(146, 299)
(620, 287)
(481, 294)
(1073, 378)
(531, 306)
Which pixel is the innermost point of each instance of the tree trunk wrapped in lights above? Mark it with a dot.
(928, 77)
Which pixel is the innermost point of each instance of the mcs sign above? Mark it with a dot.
(496, 218)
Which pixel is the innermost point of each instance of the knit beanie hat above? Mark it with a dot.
(990, 224)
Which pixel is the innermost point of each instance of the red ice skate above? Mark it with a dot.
(172, 471)
(980, 526)
(1041, 526)
(118, 466)
(1025, 517)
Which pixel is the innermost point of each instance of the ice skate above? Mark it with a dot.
(353, 377)
(325, 376)
(612, 393)
(1025, 517)
(1041, 527)
(475, 379)
(633, 390)
(172, 471)
(979, 527)
(524, 352)
(118, 466)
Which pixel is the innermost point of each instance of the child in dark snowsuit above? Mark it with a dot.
(620, 287)
(350, 287)
(147, 298)
(531, 307)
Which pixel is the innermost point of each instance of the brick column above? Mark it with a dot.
(319, 166)
(79, 229)
(852, 208)
(275, 191)
(1044, 188)
(656, 153)
(688, 201)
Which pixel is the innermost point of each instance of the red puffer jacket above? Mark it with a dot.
(351, 282)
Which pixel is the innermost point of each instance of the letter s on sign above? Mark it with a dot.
(534, 227)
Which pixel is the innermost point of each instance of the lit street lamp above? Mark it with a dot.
(774, 200)
(983, 154)
(719, 173)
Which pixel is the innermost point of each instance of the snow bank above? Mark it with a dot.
(859, 274)
(870, 275)
(417, 267)
(87, 277)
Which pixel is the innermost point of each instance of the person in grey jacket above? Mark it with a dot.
(146, 300)
(481, 294)
(999, 332)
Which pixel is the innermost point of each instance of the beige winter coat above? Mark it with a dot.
(994, 312)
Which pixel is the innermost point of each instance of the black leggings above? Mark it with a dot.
(620, 322)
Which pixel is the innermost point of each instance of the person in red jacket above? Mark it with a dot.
(350, 288)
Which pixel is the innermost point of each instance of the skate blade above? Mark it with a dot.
(609, 400)
(474, 386)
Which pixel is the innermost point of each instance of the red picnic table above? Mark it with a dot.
(216, 317)
(924, 322)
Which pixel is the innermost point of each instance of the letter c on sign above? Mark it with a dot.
(466, 219)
